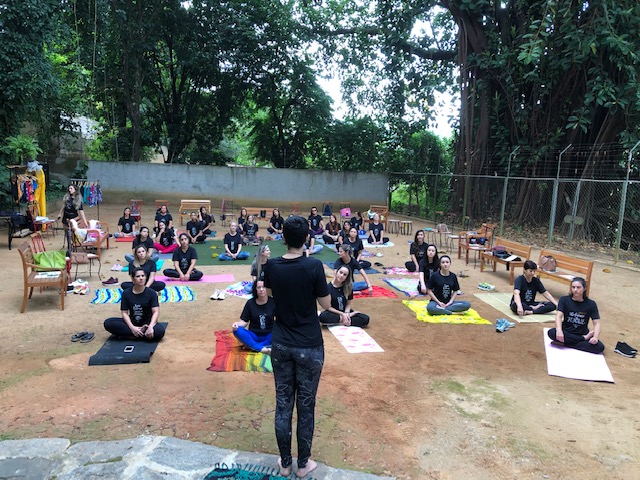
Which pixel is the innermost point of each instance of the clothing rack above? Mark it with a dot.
(85, 182)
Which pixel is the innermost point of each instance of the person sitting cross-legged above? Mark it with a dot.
(143, 261)
(195, 230)
(140, 311)
(523, 300)
(233, 245)
(184, 262)
(256, 320)
(341, 291)
(572, 320)
(443, 287)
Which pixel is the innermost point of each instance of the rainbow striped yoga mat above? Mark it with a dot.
(231, 356)
(170, 294)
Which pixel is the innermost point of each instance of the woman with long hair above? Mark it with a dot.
(206, 220)
(332, 231)
(126, 224)
(417, 251)
(341, 291)
(276, 222)
(345, 258)
(242, 219)
(357, 247)
(184, 262)
(142, 260)
(72, 210)
(165, 239)
(143, 238)
(572, 320)
(430, 263)
(443, 288)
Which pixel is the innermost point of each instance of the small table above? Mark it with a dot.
(476, 249)
(394, 226)
(406, 227)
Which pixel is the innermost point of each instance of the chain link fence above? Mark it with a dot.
(591, 218)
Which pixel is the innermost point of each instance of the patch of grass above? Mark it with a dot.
(521, 447)
(20, 377)
(91, 430)
(450, 386)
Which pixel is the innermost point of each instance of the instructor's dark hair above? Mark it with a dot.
(295, 231)
(530, 265)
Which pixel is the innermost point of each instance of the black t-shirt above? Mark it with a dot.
(427, 268)
(296, 284)
(577, 314)
(315, 221)
(529, 290)
(194, 227)
(184, 258)
(206, 220)
(254, 271)
(240, 223)
(251, 229)
(166, 238)
(357, 245)
(338, 298)
(166, 218)
(356, 223)
(333, 229)
(276, 223)
(443, 286)
(148, 267)
(148, 242)
(377, 230)
(127, 224)
(233, 241)
(70, 210)
(353, 265)
(420, 251)
(139, 305)
(259, 317)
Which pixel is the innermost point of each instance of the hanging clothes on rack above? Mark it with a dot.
(40, 194)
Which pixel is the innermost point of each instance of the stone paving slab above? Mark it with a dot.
(141, 458)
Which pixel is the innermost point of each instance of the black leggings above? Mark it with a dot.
(173, 273)
(156, 285)
(547, 307)
(410, 266)
(118, 327)
(330, 318)
(578, 342)
(296, 372)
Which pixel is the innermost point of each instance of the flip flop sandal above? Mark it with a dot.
(76, 337)
(87, 337)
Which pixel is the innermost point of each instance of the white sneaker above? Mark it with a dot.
(222, 295)
(215, 295)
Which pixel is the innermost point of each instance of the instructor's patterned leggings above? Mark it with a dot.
(297, 374)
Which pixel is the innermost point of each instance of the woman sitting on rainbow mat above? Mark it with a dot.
(256, 320)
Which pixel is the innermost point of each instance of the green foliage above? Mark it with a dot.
(22, 147)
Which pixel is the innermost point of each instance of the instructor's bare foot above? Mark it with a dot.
(310, 467)
(284, 471)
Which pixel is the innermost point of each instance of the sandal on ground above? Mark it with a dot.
(77, 336)
(87, 337)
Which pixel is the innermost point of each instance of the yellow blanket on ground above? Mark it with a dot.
(420, 309)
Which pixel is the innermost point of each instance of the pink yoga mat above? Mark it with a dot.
(125, 239)
(223, 278)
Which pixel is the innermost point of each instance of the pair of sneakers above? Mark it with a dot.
(116, 267)
(486, 286)
(623, 349)
(502, 325)
(218, 295)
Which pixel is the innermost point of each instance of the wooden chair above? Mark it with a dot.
(91, 247)
(36, 276)
(442, 230)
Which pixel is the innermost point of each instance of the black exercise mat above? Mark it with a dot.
(113, 351)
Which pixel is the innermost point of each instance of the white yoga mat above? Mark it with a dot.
(355, 339)
(571, 363)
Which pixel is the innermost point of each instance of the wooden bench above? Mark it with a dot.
(188, 206)
(35, 276)
(513, 248)
(567, 268)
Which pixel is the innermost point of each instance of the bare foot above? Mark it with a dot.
(528, 312)
(285, 472)
(266, 350)
(310, 467)
(588, 336)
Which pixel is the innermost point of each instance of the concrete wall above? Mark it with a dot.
(255, 186)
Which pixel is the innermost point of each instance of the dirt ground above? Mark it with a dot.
(441, 402)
